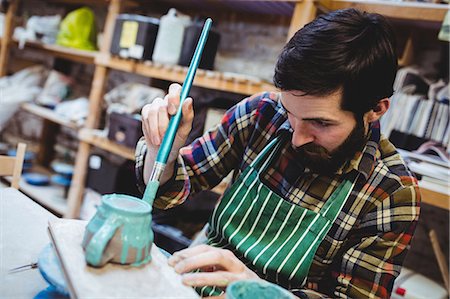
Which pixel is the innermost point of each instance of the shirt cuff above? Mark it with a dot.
(174, 191)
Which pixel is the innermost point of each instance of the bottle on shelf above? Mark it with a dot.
(170, 37)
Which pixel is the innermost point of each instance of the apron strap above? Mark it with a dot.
(336, 201)
(262, 160)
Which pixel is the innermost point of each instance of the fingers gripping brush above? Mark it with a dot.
(169, 136)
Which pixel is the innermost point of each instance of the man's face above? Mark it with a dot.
(325, 136)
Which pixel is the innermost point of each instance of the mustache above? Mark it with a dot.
(312, 149)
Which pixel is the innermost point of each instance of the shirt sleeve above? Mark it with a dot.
(377, 249)
(204, 163)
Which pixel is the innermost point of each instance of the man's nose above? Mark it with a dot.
(301, 135)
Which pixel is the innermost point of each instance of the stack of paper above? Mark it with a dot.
(433, 171)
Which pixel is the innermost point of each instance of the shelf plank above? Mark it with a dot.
(52, 197)
(434, 198)
(81, 2)
(414, 11)
(49, 114)
(97, 138)
(216, 81)
(7, 28)
(127, 3)
(82, 56)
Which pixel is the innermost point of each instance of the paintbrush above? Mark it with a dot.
(169, 136)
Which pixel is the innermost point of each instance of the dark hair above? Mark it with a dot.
(346, 49)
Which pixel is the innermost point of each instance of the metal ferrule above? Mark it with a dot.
(157, 172)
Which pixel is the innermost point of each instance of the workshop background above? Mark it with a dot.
(75, 74)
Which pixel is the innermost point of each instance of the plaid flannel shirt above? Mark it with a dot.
(363, 252)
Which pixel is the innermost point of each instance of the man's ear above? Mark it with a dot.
(378, 111)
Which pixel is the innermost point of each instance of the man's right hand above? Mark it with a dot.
(155, 120)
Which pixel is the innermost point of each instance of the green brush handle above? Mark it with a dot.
(169, 136)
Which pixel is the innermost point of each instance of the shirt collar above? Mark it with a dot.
(364, 161)
(285, 126)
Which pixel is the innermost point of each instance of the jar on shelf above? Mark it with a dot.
(170, 37)
(191, 37)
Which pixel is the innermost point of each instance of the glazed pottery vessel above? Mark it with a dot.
(120, 232)
(249, 289)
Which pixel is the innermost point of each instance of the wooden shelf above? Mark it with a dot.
(434, 198)
(414, 11)
(97, 138)
(87, 57)
(207, 79)
(51, 196)
(49, 114)
(247, 7)
(81, 2)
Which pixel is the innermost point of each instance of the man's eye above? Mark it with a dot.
(320, 123)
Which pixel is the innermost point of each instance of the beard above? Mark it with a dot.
(319, 160)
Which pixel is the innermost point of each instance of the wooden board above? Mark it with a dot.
(98, 138)
(49, 114)
(408, 10)
(154, 280)
(212, 80)
(82, 56)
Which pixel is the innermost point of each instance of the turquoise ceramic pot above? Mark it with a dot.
(261, 289)
(120, 232)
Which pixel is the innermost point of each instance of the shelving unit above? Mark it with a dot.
(52, 197)
(416, 11)
(97, 139)
(434, 198)
(89, 136)
(49, 115)
(104, 62)
(75, 55)
(207, 79)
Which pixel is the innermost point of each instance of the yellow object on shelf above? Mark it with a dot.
(78, 30)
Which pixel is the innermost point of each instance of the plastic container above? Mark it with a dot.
(36, 179)
(190, 39)
(62, 168)
(170, 37)
(134, 36)
(412, 285)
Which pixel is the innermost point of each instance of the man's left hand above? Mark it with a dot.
(219, 267)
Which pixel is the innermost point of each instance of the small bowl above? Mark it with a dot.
(250, 289)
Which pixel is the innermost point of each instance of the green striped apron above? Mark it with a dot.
(273, 237)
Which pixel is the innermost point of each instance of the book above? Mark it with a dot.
(439, 188)
(431, 170)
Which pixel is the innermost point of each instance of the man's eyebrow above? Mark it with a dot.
(284, 107)
(326, 120)
(331, 121)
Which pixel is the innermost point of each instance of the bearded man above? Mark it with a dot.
(320, 199)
